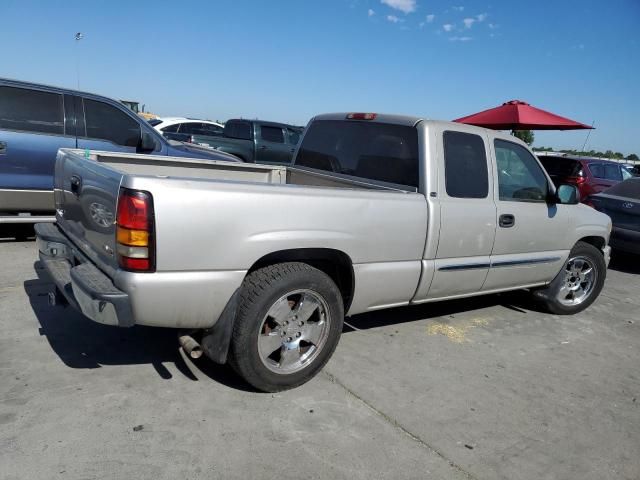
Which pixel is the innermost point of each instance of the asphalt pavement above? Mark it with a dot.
(487, 388)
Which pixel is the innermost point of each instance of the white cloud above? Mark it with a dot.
(493, 26)
(405, 6)
(430, 17)
(447, 27)
(371, 13)
(460, 39)
(468, 22)
(458, 8)
(482, 17)
(421, 24)
(393, 19)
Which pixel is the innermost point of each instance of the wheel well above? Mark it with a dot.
(597, 242)
(336, 264)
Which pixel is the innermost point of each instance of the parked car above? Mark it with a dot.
(622, 203)
(634, 170)
(376, 211)
(184, 129)
(255, 141)
(37, 120)
(590, 175)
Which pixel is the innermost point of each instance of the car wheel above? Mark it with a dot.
(578, 284)
(288, 324)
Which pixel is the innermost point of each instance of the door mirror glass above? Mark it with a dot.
(568, 195)
(147, 142)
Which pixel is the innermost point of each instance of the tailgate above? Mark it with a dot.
(86, 194)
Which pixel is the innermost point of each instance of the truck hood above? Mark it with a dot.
(181, 149)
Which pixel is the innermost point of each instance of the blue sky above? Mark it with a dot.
(287, 60)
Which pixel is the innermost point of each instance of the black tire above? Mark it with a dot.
(548, 296)
(259, 292)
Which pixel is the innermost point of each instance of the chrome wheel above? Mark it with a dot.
(580, 277)
(294, 331)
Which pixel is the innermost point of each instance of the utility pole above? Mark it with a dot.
(79, 36)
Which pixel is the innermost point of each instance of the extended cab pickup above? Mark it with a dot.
(254, 141)
(261, 263)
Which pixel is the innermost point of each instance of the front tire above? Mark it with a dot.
(288, 324)
(578, 284)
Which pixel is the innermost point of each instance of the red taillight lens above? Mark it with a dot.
(361, 116)
(134, 232)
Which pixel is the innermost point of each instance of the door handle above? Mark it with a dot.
(76, 184)
(507, 220)
(3, 148)
(263, 147)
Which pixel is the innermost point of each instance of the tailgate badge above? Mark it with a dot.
(627, 205)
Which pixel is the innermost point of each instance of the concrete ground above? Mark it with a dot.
(470, 389)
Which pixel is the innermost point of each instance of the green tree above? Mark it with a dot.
(633, 156)
(526, 136)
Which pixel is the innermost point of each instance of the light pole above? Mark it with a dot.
(79, 36)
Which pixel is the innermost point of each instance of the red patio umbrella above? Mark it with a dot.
(519, 115)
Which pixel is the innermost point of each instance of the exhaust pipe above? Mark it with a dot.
(190, 346)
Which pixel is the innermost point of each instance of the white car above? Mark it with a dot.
(188, 126)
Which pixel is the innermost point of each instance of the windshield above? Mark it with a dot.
(375, 151)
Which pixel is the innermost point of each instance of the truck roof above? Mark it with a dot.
(42, 86)
(412, 121)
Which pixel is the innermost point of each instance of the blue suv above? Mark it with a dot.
(37, 120)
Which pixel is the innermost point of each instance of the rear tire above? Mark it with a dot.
(578, 284)
(287, 326)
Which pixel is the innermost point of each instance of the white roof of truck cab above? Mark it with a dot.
(412, 121)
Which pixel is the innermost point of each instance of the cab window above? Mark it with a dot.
(465, 165)
(106, 122)
(520, 177)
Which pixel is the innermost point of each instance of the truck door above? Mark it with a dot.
(32, 129)
(531, 238)
(271, 147)
(467, 213)
(108, 128)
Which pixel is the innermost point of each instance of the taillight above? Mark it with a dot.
(134, 231)
(361, 116)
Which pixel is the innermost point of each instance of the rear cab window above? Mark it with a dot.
(560, 167)
(367, 150)
(466, 171)
(238, 129)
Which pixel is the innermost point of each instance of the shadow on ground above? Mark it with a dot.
(625, 262)
(16, 232)
(82, 343)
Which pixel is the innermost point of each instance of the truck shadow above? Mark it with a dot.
(82, 343)
(518, 301)
(625, 262)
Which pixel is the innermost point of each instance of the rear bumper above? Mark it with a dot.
(82, 284)
(625, 240)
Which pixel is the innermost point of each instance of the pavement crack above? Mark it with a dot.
(395, 424)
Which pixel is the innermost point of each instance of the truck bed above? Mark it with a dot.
(175, 167)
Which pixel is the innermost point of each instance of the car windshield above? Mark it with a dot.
(629, 188)
(560, 166)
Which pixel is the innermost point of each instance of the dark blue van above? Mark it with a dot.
(37, 120)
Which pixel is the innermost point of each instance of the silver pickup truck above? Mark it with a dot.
(258, 265)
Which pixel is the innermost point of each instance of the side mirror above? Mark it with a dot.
(568, 195)
(147, 142)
